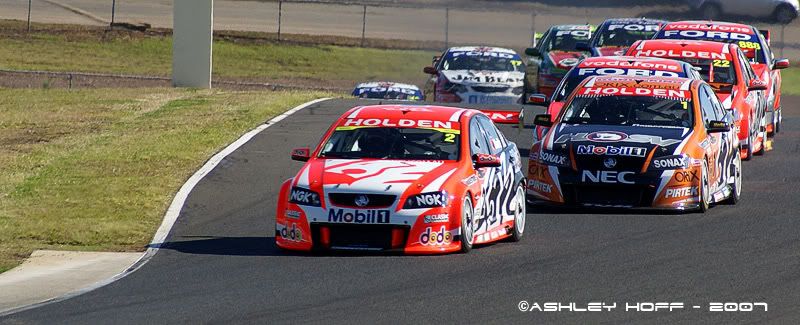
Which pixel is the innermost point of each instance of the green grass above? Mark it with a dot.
(791, 81)
(135, 53)
(96, 169)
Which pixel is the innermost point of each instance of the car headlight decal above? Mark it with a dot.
(301, 196)
(427, 200)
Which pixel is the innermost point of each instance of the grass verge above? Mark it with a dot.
(96, 169)
(236, 56)
(791, 81)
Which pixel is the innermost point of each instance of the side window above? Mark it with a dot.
(477, 139)
(746, 67)
(493, 136)
(706, 107)
(719, 111)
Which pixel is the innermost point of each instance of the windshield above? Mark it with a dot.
(625, 36)
(392, 143)
(566, 40)
(387, 93)
(715, 71)
(629, 111)
(485, 61)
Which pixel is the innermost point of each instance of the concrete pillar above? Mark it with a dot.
(193, 27)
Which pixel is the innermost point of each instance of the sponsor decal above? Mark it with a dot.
(580, 34)
(502, 78)
(405, 123)
(361, 200)
(435, 238)
(612, 136)
(434, 218)
(611, 151)
(387, 89)
(625, 72)
(607, 177)
(684, 54)
(630, 65)
(540, 186)
(568, 62)
(610, 162)
(470, 180)
(536, 171)
(709, 27)
(485, 53)
(551, 158)
(292, 233)
(603, 91)
(292, 214)
(635, 27)
(432, 199)
(686, 176)
(304, 197)
(671, 162)
(358, 216)
(681, 192)
(706, 34)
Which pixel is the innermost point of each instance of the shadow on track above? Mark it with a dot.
(251, 246)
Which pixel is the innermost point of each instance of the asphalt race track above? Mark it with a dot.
(221, 264)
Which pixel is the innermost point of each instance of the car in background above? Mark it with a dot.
(553, 56)
(755, 46)
(412, 179)
(476, 75)
(604, 66)
(730, 75)
(629, 142)
(388, 90)
(781, 11)
(614, 36)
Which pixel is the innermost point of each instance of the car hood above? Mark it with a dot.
(478, 77)
(631, 146)
(565, 60)
(375, 176)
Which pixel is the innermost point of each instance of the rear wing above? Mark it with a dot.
(501, 116)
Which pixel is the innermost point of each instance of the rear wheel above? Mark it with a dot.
(749, 149)
(467, 217)
(763, 142)
(736, 187)
(520, 212)
(705, 196)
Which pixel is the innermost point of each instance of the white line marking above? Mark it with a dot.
(173, 211)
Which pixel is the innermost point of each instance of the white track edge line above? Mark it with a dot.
(171, 216)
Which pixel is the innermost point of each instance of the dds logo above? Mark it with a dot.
(432, 238)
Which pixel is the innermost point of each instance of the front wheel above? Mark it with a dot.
(749, 150)
(467, 217)
(520, 213)
(736, 187)
(705, 196)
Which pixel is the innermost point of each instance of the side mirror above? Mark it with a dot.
(532, 51)
(781, 64)
(718, 127)
(301, 154)
(482, 160)
(583, 46)
(756, 84)
(429, 70)
(435, 59)
(543, 120)
(538, 99)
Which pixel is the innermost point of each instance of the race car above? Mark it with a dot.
(754, 45)
(614, 36)
(780, 11)
(388, 90)
(726, 69)
(411, 179)
(476, 75)
(609, 65)
(649, 142)
(553, 56)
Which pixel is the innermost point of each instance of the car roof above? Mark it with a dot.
(441, 115)
(714, 48)
(481, 49)
(710, 25)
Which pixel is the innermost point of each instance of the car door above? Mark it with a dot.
(492, 208)
(707, 102)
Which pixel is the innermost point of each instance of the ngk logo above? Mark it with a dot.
(435, 238)
(436, 199)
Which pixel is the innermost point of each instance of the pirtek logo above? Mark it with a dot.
(607, 177)
(358, 216)
(681, 192)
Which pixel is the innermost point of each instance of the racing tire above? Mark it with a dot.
(778, 120)
(763, 145)
(711, 11)
(736, 187)
(520, 213)
(705, 196)
(467, 218)
(784, 14)
(749, 150)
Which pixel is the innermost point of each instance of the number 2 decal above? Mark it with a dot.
(450, 137)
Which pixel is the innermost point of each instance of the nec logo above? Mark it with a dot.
(607, 177)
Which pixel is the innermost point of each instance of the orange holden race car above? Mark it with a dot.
(655, 142)
(413, 179)
(726, 69)
(755, 45)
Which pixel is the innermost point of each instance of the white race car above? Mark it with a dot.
(476, 75)
(781, 11)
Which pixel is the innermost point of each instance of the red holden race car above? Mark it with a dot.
(614, 36)
(414, 179)
(609, 65)
(727, 70)
(649, 142)
(756, 47)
